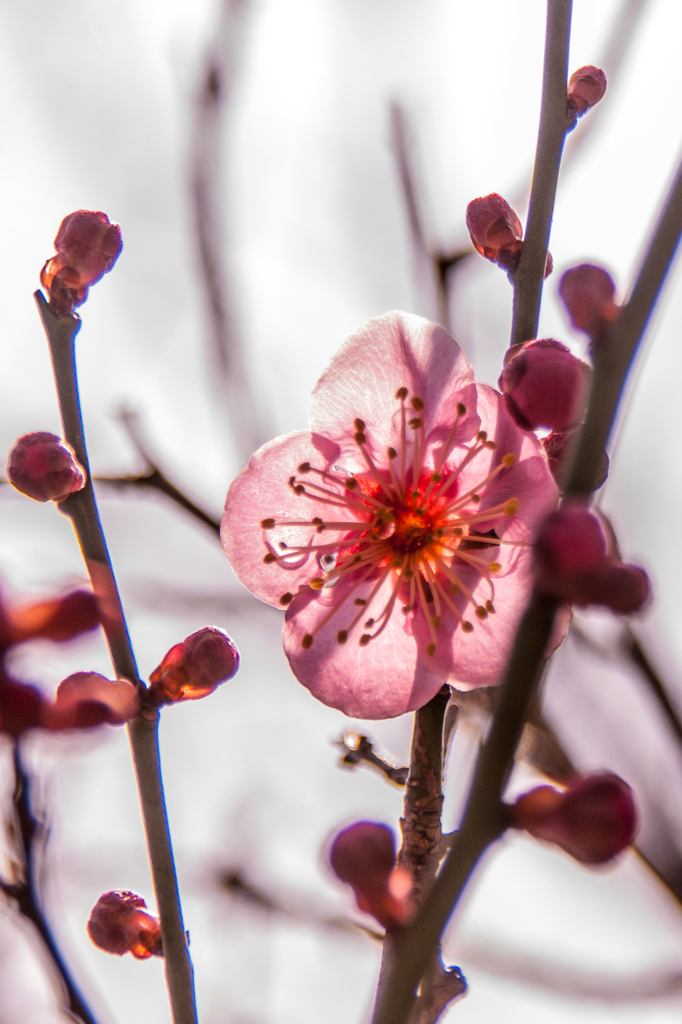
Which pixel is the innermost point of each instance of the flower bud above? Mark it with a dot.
(43, 466)
(586, 86)
(120, 924)
(21, 707)
(572, 564)
(593, 820)
(495, 230)
(87, 247)
(85, 699)
(559, 448)
(363, 856)
(587, 292)
(194, 668)
(544, 385)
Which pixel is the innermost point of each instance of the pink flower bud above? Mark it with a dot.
(85, 699)
(544, 385)
(120, 924)
(495, 230)
(21, 707)
(572, 564)
(587, 292)
(58, 620)
(363, 856)
(194, 668)
(593, 820)
(586, 86)
(87, 247)
(43, 466)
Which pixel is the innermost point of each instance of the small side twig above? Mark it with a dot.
(359, 750)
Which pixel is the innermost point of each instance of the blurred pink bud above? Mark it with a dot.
(593, 820)
(544, 385)
(495, 230)
(572, 564)
(87, 247)
(363, 856)
(586, 86)
(587, 292)
(194, 668)
(86, 699)
(119, 923)
(21, 707)
(43, 466)
(59, 620)
(559, 447)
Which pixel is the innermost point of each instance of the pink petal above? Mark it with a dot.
(390, 352)
(262, 492)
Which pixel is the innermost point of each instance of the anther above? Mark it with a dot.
(401, 393)
(435, 622)
(317, 521)
(494, 567)
(267, 524)
(307, 641)
(406, 608)
(369, 623)
(359, 601)
(416, 422)
(430, 650)
(286, 598)
(476, 498)
(461, 409)
(316, 584)
(508, 460)
(408, 574)
(453, 588)
(491, 445)
(490, 607)
(436, 478)
(299, 489)
(392, 453)
(360, 437)
(304, 467)
(342, 636)
(482, 435)
(417, 404)
(365, 639)
(458, 531)
(270, 558)
(467, 627)
(512, 507)
(351, 483)
(481, 612)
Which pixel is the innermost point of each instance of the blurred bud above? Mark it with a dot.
(42, 466)
(363, 856)
(21, 707)
(119, 923)
(559, 449)
(593, 820)
(58, 620)
(194, 668)
(586, 86)
(587, 292)
(87, 247)
(572, 564)
(85, 699)
(544, 385)
(495, 230)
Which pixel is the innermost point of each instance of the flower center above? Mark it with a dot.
(399, 523)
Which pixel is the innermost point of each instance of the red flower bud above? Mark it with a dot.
(87, 247)
(195, 667)
(120, 924)
(593, 820)
(544, 385)
(363, 856)
(21, 707)
(572, 563)
(43, 466)
(85, 699)
(495, 230)
(586, 86)
(587, 292)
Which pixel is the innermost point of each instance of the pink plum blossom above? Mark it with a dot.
(396, 532)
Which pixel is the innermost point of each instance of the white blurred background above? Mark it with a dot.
(289, 163)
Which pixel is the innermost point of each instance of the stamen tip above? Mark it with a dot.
(512, 507)
(267, 524)
(304, 467)
(365, 639)
(430, 650)
(316, 584)
(342, 636)
(286, 598)
(461, 409)
(481, 612)
(307, 641)
(417, 404)
(270, 558)
(467, 627)
(401, 393)
(508, 460)
(490, 607)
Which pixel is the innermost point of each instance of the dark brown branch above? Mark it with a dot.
(29, 836)
(554, 123)
(360, 750)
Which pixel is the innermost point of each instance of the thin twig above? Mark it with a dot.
(81, 507)
(29, 834)
(554, 123)
(358, 749)
(483, 819)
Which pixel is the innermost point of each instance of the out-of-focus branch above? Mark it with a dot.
(29, 834)
(206, 182)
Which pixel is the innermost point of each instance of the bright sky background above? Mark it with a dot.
(97, 104)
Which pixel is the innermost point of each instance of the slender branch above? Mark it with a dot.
(81, 507)
(28, 834)
(554, 123)
(483, 819)
(358, 749)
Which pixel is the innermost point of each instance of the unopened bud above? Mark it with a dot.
(86, 699)
(21, 707)
(58, 620)
(495, 230)
(363, 856)
(587, 292)
(544, 385)
(43, 466)
(87, 246)
(194, 668)
(593, 820)
(559, 447)
(586, 86)
(572, 564)
(119, 923)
